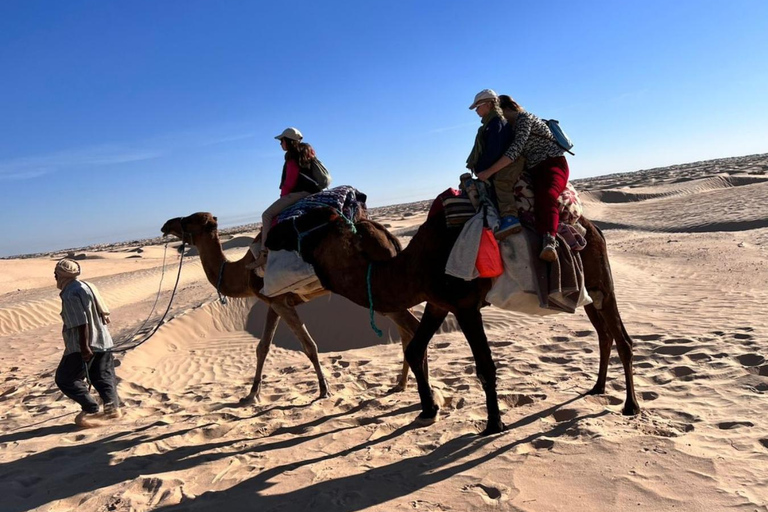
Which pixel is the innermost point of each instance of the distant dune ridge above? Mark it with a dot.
(689, 254)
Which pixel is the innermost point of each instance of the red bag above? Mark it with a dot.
(488, 261)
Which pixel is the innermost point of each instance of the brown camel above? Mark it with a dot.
(201, 230)
(417, 274)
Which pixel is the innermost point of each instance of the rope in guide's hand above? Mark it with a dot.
(121, 346)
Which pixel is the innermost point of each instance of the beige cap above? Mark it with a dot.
(485, 94)
(290, 133)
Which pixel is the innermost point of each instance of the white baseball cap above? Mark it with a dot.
(485, 94)
(290, 133)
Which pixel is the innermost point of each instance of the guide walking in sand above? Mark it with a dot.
(87, 359)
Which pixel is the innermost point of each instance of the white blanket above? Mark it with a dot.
(516, 289)
(286, 272)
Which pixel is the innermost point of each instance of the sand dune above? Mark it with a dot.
(688, 253)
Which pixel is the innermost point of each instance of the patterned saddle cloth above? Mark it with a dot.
(458, 209)
(346, 200)
(289, 230)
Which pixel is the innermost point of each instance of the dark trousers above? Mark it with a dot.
(70, 378)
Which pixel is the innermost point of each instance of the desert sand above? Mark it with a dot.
(689, 254)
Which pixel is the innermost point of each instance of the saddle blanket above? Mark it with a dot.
(458, 209)
(346, 200)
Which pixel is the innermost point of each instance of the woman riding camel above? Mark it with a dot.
(492, 139)
(296, 183)
(544, 161)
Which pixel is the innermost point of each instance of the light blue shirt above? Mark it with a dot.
(78, 307)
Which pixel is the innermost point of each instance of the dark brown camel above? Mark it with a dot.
(201, 230)
(417, 274)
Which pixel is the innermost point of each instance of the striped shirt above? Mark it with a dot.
(78, 307)
(533, 140)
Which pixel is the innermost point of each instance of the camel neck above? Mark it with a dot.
(237, 281)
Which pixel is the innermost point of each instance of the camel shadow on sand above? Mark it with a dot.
(378, 485)
(30, 482)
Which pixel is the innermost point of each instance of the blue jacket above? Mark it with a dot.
(496, 139)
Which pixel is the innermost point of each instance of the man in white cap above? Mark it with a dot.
(86, 346)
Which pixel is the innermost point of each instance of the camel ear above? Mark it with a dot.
(215, 219)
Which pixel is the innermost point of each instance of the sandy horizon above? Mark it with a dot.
(687, 244)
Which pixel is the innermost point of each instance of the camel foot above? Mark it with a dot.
(630, 409)
(89, 420)
(597, 390)
(493, 427)
(249, 400)
(399, 388)
(428, 417)
(324, 391)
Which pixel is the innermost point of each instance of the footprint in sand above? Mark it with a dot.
(583, 334)
(543, 444)
(605, 399)
(556, 360)
(673, 350)
(728, 425)
(681, 341)
(520, 399)
(750, 359)
(740, 336)
(648, 337)
(491, 493)
(649, 396)
(764, 442)
(565, 414)
(683, 371)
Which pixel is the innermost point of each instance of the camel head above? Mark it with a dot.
(191, 228)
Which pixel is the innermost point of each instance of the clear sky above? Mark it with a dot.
(115, 116)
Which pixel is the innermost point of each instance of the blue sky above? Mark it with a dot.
(116, 116)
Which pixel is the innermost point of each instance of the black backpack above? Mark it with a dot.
(318, 174)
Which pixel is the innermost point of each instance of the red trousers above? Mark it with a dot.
(549, 180)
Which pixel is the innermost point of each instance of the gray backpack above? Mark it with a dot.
(318, 174)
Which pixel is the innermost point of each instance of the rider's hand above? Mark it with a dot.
(485, 176)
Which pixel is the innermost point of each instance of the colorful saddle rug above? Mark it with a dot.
(458, 209)
(288, 230)
(346, 200)
(571, 208)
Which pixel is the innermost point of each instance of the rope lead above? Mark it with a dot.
(378, 331)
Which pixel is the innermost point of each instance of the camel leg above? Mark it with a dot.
(611, 317)
(416, 353)
(406, 324)
(270, 326)
(471, 323)
(291, 317)
(606, 342)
